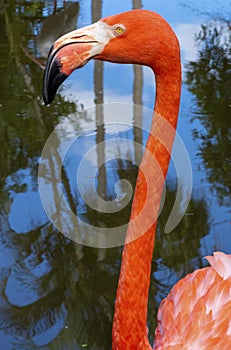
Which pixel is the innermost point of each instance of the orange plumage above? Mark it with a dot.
(197, 312)
(196, 315)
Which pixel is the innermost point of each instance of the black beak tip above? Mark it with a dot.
(53, 78)
(47, 98)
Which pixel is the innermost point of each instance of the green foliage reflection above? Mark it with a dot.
(209, 79)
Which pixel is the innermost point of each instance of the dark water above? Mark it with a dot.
(58, 294)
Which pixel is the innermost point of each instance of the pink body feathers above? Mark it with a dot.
(197, 312)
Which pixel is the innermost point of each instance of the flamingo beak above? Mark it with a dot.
(71, 51)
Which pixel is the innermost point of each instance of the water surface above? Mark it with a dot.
(59, 294)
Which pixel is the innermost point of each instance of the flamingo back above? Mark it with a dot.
(197, 312)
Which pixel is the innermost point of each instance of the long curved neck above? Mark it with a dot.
(130, 318)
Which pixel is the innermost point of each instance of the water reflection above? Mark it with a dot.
(43, 281)
(54, 292)
(209, 80)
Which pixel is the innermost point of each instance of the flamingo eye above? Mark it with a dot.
(119, 29)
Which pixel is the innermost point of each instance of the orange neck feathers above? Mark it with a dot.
(137, 37)
(130, 319)
(197, 309)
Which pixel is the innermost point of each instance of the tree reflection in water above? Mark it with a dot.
(56, 294)
(209, 79)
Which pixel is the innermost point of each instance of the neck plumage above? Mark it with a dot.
(130, 318)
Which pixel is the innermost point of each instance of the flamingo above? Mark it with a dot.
(196, 314)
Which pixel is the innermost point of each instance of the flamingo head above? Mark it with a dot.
(136, 37)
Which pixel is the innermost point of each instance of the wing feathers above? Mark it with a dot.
(197, 312)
